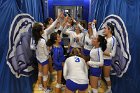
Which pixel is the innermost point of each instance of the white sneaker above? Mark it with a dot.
(63, 88)
(108, 91)
(40, 87)
(47, 90)
(89, 91)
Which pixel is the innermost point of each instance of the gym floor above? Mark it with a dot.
(101, 89)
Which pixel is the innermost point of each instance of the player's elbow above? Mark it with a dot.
(101, 63)
(112, 54)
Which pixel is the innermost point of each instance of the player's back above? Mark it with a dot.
(77, 69)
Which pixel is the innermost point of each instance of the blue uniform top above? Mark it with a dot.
(58, 57)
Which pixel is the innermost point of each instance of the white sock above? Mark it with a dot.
(109, 87)
(94, 90)
(108, 90)
(99, 83)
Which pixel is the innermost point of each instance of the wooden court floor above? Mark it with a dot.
(100, 90)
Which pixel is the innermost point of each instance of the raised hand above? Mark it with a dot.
(60, 15)
(94, 21)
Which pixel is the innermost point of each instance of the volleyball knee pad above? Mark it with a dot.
(58, 85)
(40, 74)
(45, 77)
(107, 78)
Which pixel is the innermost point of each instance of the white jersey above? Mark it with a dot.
(49, 30)
(88, 42)
(42, 52)
(111, 47)
(88, 39)
(96, 57)
(76, 70)
(73, 36)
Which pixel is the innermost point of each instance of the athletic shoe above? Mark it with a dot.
(108, 91)
(40, 87)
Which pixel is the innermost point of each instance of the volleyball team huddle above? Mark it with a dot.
(87, 58)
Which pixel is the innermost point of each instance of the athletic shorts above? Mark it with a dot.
(57, 68)
(107, 62)
(74, 86)
(95, 71)
(43, 63)
(86, 52)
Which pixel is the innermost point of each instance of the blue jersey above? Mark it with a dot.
(58, 57)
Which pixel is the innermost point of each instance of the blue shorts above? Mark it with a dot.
(57, 68)
(95, 71)
(86, 52)
(70, 49)
(107, 62)
(43, 63)
(74, 86)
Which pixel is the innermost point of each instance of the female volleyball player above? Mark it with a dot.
(96, 61)
(58, 57)
(109, 53)
(75, 73)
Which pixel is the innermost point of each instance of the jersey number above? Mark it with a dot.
(77, 59)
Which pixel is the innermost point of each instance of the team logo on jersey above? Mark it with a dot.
(122, 57)
(19, 56)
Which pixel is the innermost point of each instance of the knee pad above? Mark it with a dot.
(107, 78)
(58, 85)
(40, 74)
(45, 77)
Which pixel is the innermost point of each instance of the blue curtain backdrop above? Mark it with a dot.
(129, 11)
(8, 10)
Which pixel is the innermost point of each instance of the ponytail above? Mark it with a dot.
(103, 42)
(111, 27)
(36, 32)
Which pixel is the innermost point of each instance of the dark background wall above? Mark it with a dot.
(84, 3)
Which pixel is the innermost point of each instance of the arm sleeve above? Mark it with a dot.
(81, 28)
(95, 34)
(65, 70)
(113, 52)
(60, 28)
(67, 32)
(32, 44)
(97, 63)
(51, 27)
